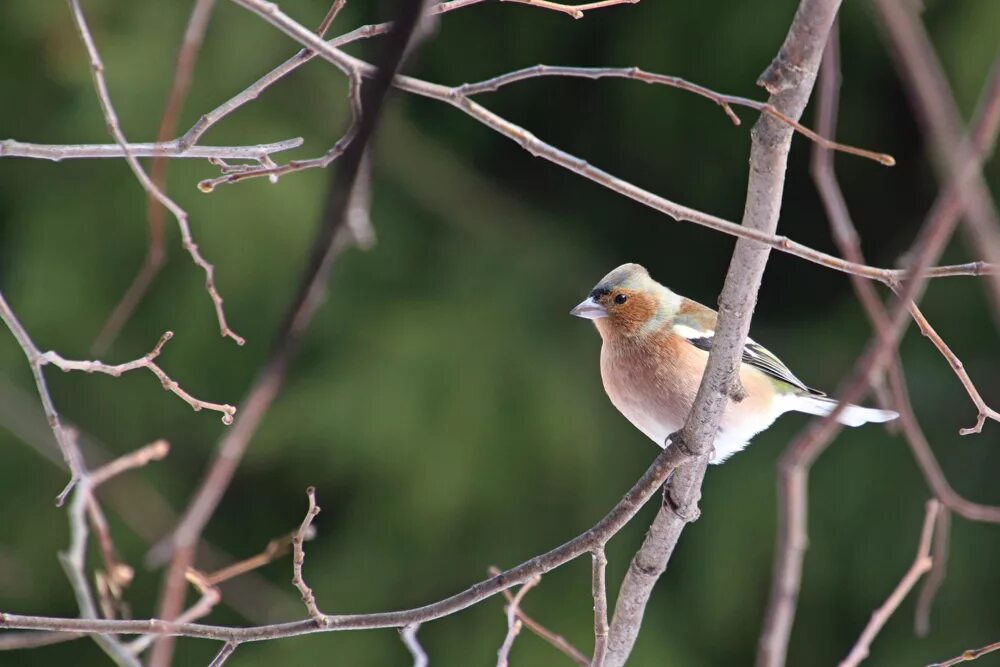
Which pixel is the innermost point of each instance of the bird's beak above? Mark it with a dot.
(589, 309)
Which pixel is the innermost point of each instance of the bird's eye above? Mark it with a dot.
(620, 299)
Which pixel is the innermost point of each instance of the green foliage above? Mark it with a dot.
(446, 407)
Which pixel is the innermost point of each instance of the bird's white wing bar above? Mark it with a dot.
(754, 355)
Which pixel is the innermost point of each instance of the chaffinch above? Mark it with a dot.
(655, 347)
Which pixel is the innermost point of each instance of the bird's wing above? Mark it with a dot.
(696, 324)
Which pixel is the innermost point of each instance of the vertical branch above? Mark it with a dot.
(409, 635)
(326, 247)
(921, 564)
(599, 589)
(789, 80)
(514, 624)
(939, 554)
(935, 107)
(70, 452)
(299, 558)
(114, 127)
(793, 473)
(187, 56)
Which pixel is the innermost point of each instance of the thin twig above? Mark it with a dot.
(274, 171)
(599, 590)
(148, 362)
(467, 90)
(299, 558)
(255, 89)
(163, 149)
(114, 127)
(984, 411)
(969, 655)
(938, 113)
(556, 640)
(275, 549)
(210, 597)
(939, 554)
(220, 658)
(846, 236)
(794, 465)
(535, 146)
(726, 102)
(154, 451)
(143, 509)
(576, 11)
(117, 575)
(409, 635)
(73, 561)
(514, 624)
(15, 641)
(187, 57)
(921, 564)
(67, 445)
(647, 485)
(330, 240)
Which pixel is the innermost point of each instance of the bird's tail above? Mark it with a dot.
(851, 415)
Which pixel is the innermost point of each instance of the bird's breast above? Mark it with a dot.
(653, 386)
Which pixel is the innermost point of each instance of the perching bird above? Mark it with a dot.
(655, 349)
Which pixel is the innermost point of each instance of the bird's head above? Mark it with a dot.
(628, 302)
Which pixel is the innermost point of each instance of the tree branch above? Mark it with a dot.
(162, 149)
(921, 564)
(938, 113)
(794, 465)
(114, 127)
(272, 14)
(789, 79)
(330, 240)
(667, 461)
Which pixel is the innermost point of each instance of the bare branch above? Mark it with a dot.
(726, 102)
(67, 444)
(155, 451)
(114, 127)
(302, 57)
(789, 79)
(409, 635)
(330, 241)
(666, 461)
(556, 640)
(939, 554)
(984, 411)
(210, 597)
(111, 583)
(535, 146)
(164, 149)
(513, 622)
(576, 11)
(15, 641)
(599, 590)
(220, 658)
(275, 549)
(921, 564)
(969, 655)
(299, 557)
(73, 561)
(794, 465)
(148, 362)
(937, 111)
(274, 171)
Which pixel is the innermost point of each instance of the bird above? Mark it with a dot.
(655, 346)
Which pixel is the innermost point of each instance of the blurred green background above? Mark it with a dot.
(447, 409)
